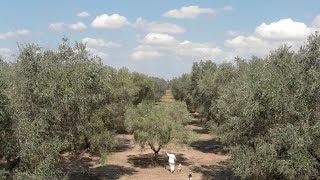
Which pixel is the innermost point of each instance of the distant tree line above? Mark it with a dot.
(267, 110)
(63, 100)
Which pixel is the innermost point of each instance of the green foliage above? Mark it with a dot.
(64, 100)
(203, 86)
(8, 141)
(3, 174)
(269, 117)
(267, 110)
(156, 125)
(180, 86)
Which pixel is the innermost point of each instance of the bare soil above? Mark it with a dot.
(205, 158)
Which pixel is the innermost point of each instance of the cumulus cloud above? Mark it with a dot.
(99, 42)
(95, 52)
(249, 45)
(187, 12)
(83, 14)
(154, 45)
(191, 12)
(59, 26)
(145, 54)
(159, 39)
(14, 34)
(56, 26)
(234, 33)
(77, 26)
(5, 52)
(197, 50)
(157, 27)
(113, 21)
(284, 29)
(244, 41)
(267, 37)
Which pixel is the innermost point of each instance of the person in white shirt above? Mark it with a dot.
(172, 159)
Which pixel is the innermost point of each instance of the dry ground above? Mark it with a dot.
(204, 159)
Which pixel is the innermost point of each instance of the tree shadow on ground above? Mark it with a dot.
(201, 131)
(147, 160)
(124, 145)
(197, 122)
(209, 146)
(82, 169)
(221, 171)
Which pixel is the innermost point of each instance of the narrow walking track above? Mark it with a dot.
(203, 159)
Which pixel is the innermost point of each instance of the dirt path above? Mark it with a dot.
(204, 159)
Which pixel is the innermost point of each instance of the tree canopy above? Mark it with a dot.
(266, 110)
(156, 125)
(64, 100)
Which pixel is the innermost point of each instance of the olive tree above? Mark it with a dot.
(271, 115)
(8, 141)
(156, 125)
(267, 111)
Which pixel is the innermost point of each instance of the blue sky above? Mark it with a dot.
(160, 38)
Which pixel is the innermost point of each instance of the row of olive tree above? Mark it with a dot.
(64, 100)
(203, 86)
(266, 109)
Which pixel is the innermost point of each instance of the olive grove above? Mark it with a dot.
(266, 110)
(63, 100)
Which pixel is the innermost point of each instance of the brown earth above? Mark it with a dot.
(204, 159)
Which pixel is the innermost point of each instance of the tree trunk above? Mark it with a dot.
(86, 145)
(156, 156)
(156, 152)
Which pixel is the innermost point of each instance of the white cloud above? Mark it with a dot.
(5, 52)
(244, 41)
(113, 21)
(14, 34)
(59, 26)
(316, 22)
(284, 29)
(154, 45)
(99, 42)
(191, 12)
(159, 39)
(83, 14)
(77, 26)
(157, 27)
(268, 37)
(197, 50)
(102, 55)
(56, 26)
(249, 45)
(145, 54)
(188, 12)
(234, 33)
(246, 46)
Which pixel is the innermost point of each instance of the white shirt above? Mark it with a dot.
(172, 157)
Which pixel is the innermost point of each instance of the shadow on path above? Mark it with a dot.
(197, 122)
(82, 169)
(209, 146)
(147, 160)
(221, 171)
(124, 145)
(201, 131)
